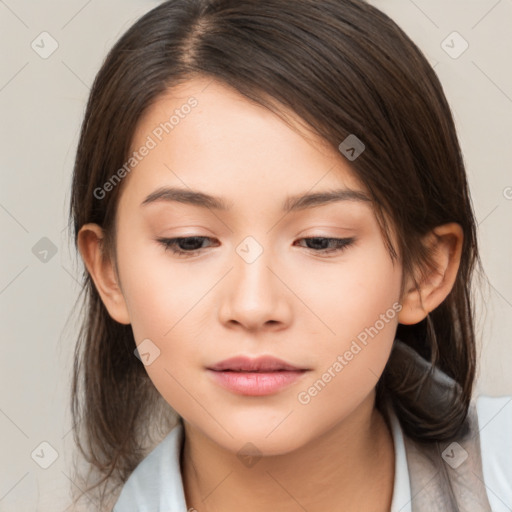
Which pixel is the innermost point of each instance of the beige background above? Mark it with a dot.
(42, 102)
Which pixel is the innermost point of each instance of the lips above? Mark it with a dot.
(263, 364)
(259, 377)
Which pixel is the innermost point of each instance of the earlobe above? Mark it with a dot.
(101, 270)
(445, 243)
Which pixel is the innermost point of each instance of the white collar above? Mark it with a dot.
(401, 501)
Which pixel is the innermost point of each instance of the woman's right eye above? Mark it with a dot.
(183, 246)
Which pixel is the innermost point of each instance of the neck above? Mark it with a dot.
(349, 467)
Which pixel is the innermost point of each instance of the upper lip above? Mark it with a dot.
(258, 364)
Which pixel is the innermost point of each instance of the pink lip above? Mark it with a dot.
(256, 383)
(255, 377)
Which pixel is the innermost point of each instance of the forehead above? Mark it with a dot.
(204, 135)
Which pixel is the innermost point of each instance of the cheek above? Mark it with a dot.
(161, 299)
(158, 294)
(350, 363)
(351, 294)
(359, 305)
(164, 300)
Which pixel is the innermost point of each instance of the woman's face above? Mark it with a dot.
(258, 279)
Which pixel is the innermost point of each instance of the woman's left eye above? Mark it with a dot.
(191, 245)
(339, 244)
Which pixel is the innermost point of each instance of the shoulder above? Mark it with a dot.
(495, 428)
(155, 484)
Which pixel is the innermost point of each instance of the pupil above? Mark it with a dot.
(190, 243)
(320, 241)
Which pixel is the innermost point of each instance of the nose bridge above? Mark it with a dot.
(251, 268)
(254, 294)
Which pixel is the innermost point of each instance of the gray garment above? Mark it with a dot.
(444, 476)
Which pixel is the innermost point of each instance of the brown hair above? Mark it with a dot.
(344, 68)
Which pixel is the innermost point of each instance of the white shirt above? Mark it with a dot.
(156, 484)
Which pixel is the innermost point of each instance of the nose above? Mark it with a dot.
(254, 296)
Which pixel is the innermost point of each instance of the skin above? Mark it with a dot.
(335, 452)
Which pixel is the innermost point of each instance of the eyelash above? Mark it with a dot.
(170, 244)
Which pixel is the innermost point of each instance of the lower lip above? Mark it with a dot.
(256, 384)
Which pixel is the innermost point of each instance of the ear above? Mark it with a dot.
(101, 269)
(446, 243)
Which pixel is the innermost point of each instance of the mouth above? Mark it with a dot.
(255, 377)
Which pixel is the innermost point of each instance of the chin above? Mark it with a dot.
(260, 437)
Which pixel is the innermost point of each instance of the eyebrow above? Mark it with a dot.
(292, 203)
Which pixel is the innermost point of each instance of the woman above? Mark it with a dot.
(272, 207)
